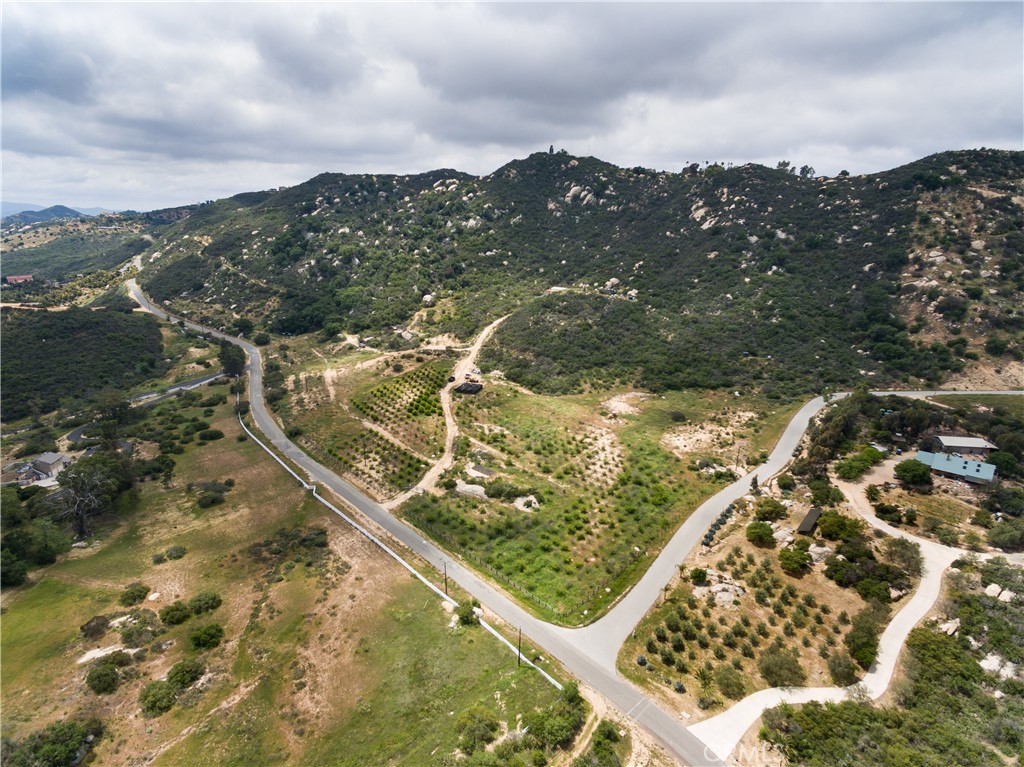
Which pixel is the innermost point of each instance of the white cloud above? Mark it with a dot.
(146, 105)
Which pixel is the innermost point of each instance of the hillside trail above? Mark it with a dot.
(463, 368)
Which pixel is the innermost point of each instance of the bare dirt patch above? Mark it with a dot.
(720, 435)
(621, 404)
(603, 458)
(983, 376)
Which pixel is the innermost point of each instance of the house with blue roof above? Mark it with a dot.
(957, 467)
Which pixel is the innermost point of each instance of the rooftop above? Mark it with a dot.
(965, 443)
(973, 471)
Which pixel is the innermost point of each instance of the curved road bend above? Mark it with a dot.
(571, 648)
(588, 653)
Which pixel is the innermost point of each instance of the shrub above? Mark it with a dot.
(467, 615)
(207, 637)
(477, 727)
(184, 673)
(175, 552)
(698, 576)
(842, 669)
(204, 602)
(103, 679)
(781, 668)
(140, 628)
(208, 435)
(768, 510)
(175, 613)
(156, 698)
(133, 594)
(730, 682)
(206, 500)
(786, 482)
(760, 534)
(95, 627)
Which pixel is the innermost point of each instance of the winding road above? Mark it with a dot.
(589, 653)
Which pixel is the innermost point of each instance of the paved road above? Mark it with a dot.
(588, 653)
(568, 646)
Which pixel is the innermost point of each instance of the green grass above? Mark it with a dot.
(281, 605)
(424, 675)
(1013, 403)
(40, 626)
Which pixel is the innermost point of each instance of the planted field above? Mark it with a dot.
(375, 461)
(353, 413)
(406, 396)
(608, 494)
(408, 406)
(700, 650)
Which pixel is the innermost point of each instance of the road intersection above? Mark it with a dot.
(589, 653)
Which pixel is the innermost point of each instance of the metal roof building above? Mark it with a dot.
(965, 444)
(957, 467)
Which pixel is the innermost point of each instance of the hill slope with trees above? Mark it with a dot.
(715, 276)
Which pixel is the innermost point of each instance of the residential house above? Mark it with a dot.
(958, 467)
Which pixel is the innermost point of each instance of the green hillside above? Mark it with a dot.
(712, 277)
(52, 355)
(74, 254)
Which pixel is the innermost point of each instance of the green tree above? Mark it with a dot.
(1007, 535)
(862, 639)
(760, 534)
(13, 571)
(175, 613)
(103, 679)
(184, 673)
(914, 473)
(133, 594)
(206, 637)
(795, 560)
(698, 576)
(232, 359)
(781, 668)
(90, 485)
(204, 602)
(156, 698)
(903, 553)
(842, 668)
(768, 510)
(730, 682)
(477, 727)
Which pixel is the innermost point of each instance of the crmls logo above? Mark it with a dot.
(759, 755)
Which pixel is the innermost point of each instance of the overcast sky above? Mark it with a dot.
(140, 105)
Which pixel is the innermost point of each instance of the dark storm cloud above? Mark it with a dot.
(149, 104)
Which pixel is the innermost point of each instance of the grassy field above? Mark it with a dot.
(331, 653)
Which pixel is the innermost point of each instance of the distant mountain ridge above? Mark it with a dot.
(53, 213)
(29, 213)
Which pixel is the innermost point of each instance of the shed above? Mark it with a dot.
(810, 521)
(469, 388)
(973, 445)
